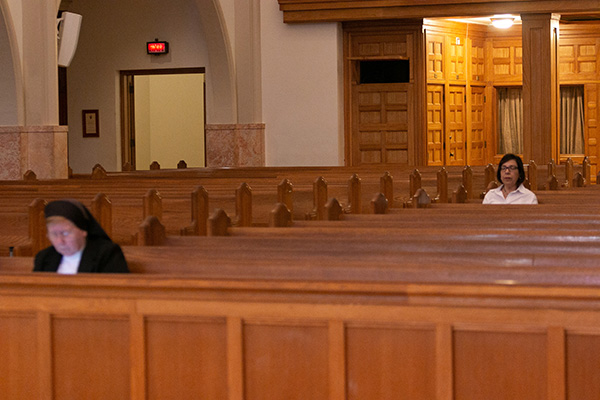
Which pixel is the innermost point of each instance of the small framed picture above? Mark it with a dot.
(91, 123)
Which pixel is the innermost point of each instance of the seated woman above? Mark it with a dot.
(512, 175)
(79, 244)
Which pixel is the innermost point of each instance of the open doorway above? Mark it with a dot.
(163, 117)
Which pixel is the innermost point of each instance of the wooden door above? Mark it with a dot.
(435, 57)
(477, 51)
(457, 57)
(455, 126)
(383, 69)
(383, 118)
(435, 125)
(477, 143)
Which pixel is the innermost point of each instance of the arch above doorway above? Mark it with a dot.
(223, 107)
(10, 112)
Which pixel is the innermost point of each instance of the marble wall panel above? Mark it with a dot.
(235, 145)
(41, 149)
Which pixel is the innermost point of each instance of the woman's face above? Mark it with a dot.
(66, 238)
(509, 172)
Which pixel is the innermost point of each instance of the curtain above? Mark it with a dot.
(571, 120)
(510, 120)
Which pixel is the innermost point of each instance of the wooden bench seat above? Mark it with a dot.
(127, 190)
(146, 333)
(414, 302)
(539, 263)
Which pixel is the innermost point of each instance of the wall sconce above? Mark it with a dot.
(503, 21)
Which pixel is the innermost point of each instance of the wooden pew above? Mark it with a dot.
(446, 288)
(413, 338)
(128, 198)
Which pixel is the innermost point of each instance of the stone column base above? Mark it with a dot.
(235, 145)
(41, 149)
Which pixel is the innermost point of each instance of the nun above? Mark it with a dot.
(79, 244)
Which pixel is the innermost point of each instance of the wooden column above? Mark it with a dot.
(540, 87)
(419, 152)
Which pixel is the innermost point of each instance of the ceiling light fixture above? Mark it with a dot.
(503, 21)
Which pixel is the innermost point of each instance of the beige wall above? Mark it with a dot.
(113, 38)
(302, 97)
(286, 76)
(169, 120)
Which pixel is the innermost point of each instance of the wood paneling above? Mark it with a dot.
(592, 130)
(436, 48)
(435, 125)
(455, 139)
(280, 339)
(477, 139)
(583, 365)
(390, 362)
(380, 46)
(500, 365)
(579, 59)
(384, 115)
(18, 357)
(90, 357)
(186, 358)
(455, 62)
(454, 55)
(381, 117)
(540, 87)
(285, 361)
(457, 58)
(506, 61)
(477, 55)
(351, 10)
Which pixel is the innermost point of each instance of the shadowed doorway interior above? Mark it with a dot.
(163, 116)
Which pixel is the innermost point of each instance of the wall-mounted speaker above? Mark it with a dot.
(68, 35)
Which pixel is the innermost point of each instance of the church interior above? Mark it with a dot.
(298, 187)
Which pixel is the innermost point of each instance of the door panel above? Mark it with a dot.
(457, 58)
(477, 60)
(477, 139)
(592, 115)
(435, 57)
(455, 126)
(384, 115)
(435, 124)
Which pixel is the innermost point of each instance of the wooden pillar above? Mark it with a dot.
(540, 87)
(419, 153)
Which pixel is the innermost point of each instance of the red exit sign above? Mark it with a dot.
(157, 47)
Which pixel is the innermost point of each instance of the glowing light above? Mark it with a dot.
(503, 21)
(157, 47)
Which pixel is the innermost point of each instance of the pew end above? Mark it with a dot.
(151, 232)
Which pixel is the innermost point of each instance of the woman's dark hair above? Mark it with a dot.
(507, 157)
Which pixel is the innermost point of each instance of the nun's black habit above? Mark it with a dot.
(100, 253)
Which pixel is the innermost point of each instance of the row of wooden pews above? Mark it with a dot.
(443, 301)
(133, 197)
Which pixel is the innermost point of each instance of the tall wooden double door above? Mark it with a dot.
(434, 114)
(455, 129)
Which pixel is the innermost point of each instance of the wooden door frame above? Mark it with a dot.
(127, 106)
(417, 140)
